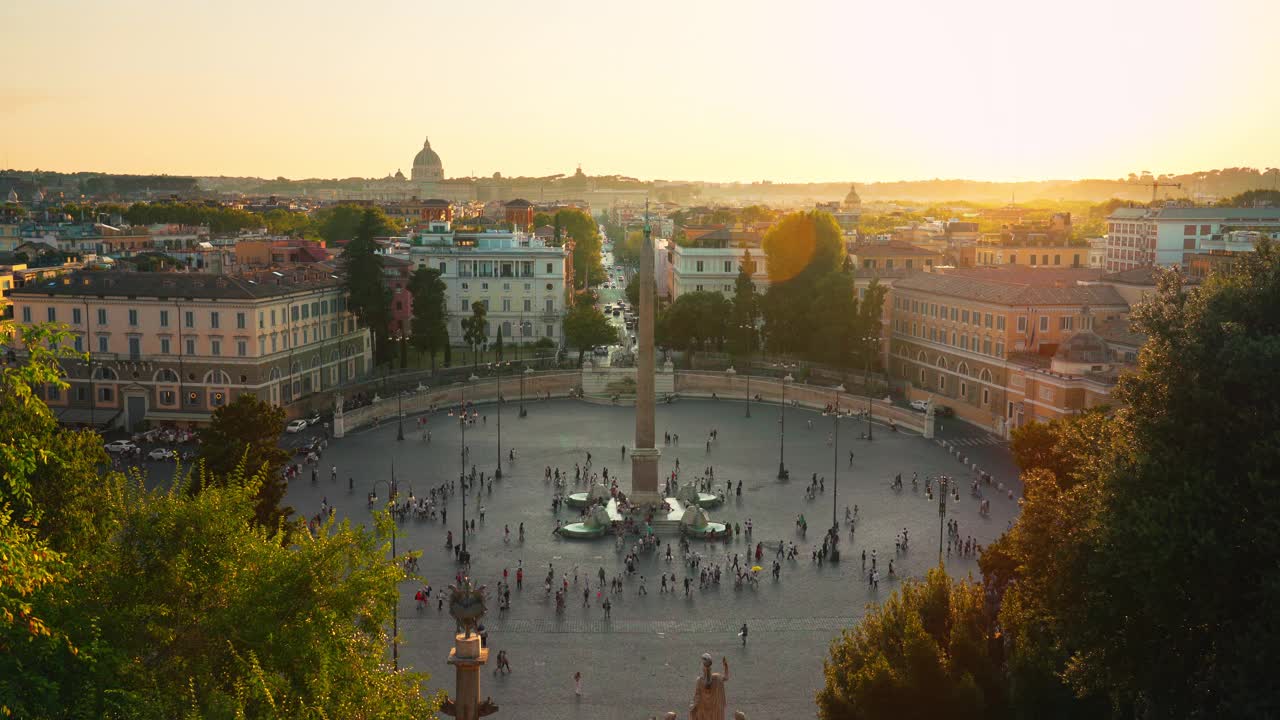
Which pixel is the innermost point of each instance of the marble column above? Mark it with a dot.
(644, 455)
(467, 656)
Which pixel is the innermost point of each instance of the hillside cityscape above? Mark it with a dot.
(431, 443)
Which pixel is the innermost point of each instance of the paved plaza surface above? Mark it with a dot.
(642, 661)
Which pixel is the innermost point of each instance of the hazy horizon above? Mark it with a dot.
(993, 90)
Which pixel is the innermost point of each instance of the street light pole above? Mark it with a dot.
(527, 371)
(498, 473)
(782, 429)
(943, 482)
(395, 614)
(400, 404)
(866, 386)
(835, 466)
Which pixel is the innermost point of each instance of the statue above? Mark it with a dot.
(466, 605)
(708, 692)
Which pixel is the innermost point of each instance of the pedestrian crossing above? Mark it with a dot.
(974, 441)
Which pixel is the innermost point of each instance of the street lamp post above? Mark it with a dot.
(866, 386)
(395, 615)
(835, 467)
(498, 473)
(943, 483)
(527, 371)
(782, 429)
(400, 403)
(463, 479)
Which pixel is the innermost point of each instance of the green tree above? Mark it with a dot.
(342, 223)
(834, 325)
(497, 344)
(474, 329)
(929, 651)
(1147, 577)
(695, 321)
(367, 294)
(247, 432)
(586, 327)
(586, 245)
(430, 330)
(745, 316)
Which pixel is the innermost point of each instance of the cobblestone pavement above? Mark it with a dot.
(641, 661)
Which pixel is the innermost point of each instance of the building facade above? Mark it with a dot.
(958, 335)
(173, 347)
(1164, 236)
(522, 280)
(712, 264)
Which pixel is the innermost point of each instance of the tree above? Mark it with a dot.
(834, 325)
(586, 327)
(429, 330)
(497, 344)
(367, 295)
(1146, 578)
(343, 223)
(474, 330)
(745, 315)
(931, 650)
(803, 246)
(246, 433)
(695, 321)
(586, 244)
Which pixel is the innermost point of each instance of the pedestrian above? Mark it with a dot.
(577, 684)
(743, 634)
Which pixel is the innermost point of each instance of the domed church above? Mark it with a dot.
(426, 165)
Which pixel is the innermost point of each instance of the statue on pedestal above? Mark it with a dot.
(467, 605)
(708, 692)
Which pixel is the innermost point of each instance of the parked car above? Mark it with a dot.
(601, 351)
(119, 446)
(920, 405)
(296, 426)
(944, 411)
(160, 454)
(313, 420)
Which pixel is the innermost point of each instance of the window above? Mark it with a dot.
(133, 318)
(105, 394)
(240, 321)
(1205, 229)
(551, 331)
(964, 316)
(1188, 229)
(164, 346)
(964, 342)
(1013, 258)
(102, 316)
(135, 348)
(1033, 258)
(262, 320)
(191, 319)
(986, 396)
(215, 347)
(986, 346)
(964, 389)
(923, 382)
(999, 322)
(528, 305)
(442, 268)
(262, 345)
(273, 317)
(506, 304)
(548, 272)
(1044, 259)
(466, 304)
(293, 313)
(168, 397)
(164, 318)
(1066, 322)
(999, 348)
(75, 316)
(1022, 324)
(191, 346)
(213, 320)
(26, 314)
(79, 344)
(102, 343)
(52, 313)
(698, 267)
(953, 314)
(1044, 323)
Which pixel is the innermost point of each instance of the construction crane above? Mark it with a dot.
(1155, 185)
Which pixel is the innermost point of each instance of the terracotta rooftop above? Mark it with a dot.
(187, 285)
(878, 250)
(1012, 290)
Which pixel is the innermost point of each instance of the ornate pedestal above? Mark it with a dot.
(644, 476)
(468, 656)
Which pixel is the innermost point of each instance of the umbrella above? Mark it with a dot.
(756, 568)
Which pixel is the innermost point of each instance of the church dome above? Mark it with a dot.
(852, 201)
(426, 164)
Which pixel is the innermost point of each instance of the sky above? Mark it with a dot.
(717, 90)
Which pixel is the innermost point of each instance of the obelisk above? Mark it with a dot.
(644, 456)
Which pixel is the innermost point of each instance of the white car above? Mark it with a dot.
(119, 446)
(296, 426)
(920, 405)
(160, 454)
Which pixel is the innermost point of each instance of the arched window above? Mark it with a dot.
(105, 373)
(922, 357)
(217, 377)
(275, 373)
(942, 362)
(293, 368)
(165, 375)
(985, 376)
(963, 369)
(506, 329)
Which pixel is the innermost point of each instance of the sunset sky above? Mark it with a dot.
(702, 89)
